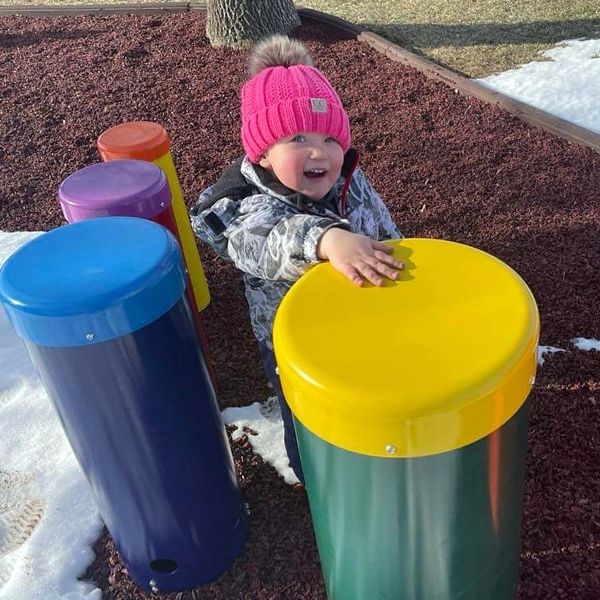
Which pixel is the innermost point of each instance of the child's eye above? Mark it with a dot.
(299, 138)
(330, 139)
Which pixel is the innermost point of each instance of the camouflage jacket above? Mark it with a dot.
(271, 232)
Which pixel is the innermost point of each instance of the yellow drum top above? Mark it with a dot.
(429, 363)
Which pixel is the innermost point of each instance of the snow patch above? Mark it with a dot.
(48, 518)
(543, 350)
(566, 83)
(582, 343)
(264, 420)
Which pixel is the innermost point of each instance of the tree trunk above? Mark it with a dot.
(241, 23)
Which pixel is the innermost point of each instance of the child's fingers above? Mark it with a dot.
(370, 273)
(389, 260)
(382, 268)
(388, 271)
(351, 273)
(381, 247)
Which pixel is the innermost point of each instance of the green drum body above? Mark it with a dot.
(435, 527)
(410, 405)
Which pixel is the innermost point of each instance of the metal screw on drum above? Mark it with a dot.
(247, 508)
(390, 449)
(153, 586)
(90, 337)
(532, 380)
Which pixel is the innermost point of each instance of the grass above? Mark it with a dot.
(474, 37)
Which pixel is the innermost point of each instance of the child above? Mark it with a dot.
(295, 198)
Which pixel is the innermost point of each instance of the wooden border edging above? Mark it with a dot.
(467, 87)
(57, 10)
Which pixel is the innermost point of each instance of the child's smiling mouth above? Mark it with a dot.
(315, 173)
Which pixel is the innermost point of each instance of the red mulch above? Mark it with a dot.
(449, 167)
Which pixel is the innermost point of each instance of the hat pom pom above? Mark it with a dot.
(278, 51)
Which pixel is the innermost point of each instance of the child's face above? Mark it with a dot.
(309, 163)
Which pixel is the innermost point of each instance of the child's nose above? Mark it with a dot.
(317, 151)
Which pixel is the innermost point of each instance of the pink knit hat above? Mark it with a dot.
(280, 101)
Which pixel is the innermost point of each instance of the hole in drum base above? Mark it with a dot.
(164, 566)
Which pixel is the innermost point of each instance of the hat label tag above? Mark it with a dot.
(318, 105)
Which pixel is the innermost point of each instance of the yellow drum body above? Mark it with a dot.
(144, 140)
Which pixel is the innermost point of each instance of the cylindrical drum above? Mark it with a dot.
(149, 141)
(101, 308)
(127, 188)
(410, 406)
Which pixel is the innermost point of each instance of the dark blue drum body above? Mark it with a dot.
(141, 416)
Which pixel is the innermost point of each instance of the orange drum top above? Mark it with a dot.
(142, 140)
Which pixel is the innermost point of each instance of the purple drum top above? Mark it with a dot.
(125, 188)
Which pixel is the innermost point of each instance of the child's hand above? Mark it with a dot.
(357, 256)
